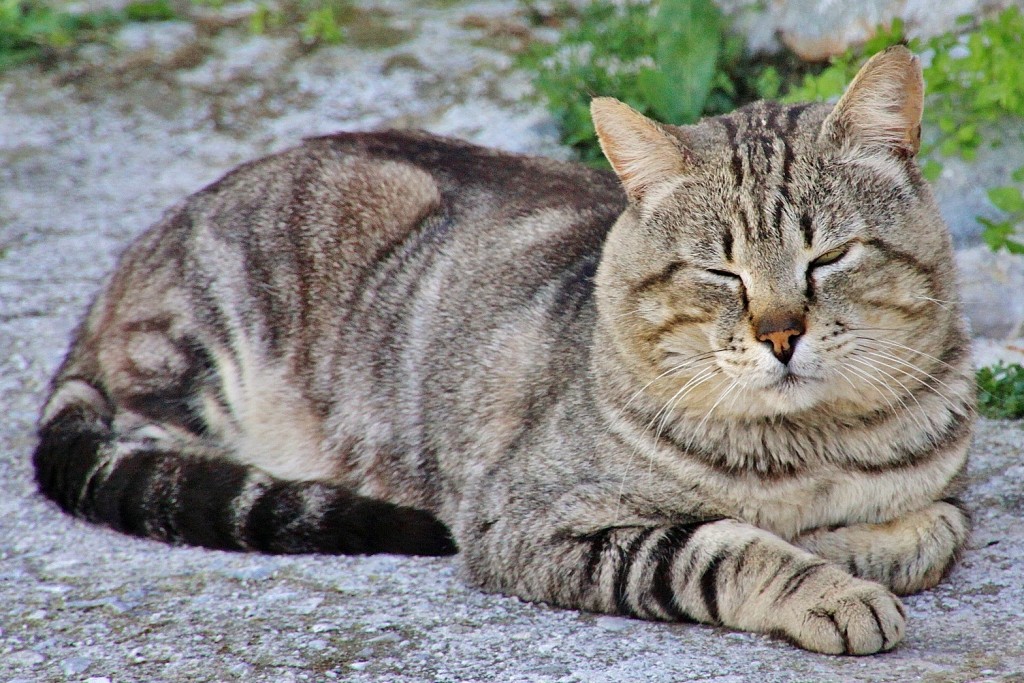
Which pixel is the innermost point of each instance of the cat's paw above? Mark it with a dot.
(908, 554)
(844, 615)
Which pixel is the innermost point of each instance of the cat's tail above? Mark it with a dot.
(143, 488)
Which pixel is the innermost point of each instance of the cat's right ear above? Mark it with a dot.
(881, 110)
(640, 150)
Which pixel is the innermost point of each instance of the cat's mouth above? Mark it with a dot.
(791, 380)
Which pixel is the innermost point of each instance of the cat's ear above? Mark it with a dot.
(882, 107)
(640, 150)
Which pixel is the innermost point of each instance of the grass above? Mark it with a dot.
(674, 60)
(36, 31)
(33, 31)
(1001, 391)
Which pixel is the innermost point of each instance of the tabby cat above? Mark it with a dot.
(737, 393)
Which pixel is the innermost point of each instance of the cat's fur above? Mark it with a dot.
(737, 395)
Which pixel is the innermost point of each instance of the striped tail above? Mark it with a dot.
(142, 489)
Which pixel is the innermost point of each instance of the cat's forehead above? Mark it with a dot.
(761, 184)
(761, 122)
(760, 138)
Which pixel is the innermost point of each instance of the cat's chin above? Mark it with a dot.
(786, 395)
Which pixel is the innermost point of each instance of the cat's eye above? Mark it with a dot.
(723, 273)
(829, 257)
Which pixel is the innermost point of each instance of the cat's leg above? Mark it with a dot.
(907, 554)
(721, 572)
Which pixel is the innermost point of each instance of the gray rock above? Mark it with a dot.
(160, 39)
(961, 189)
(992, 285)
(819, 29)
(25, 658)
(72, 666)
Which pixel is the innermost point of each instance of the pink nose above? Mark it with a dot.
(781, 331)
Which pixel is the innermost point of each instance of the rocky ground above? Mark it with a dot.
(92, 151)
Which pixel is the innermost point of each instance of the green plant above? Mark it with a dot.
(1001, 391)
(672, 60)
(317, 21)
(1010, 200)
(149, 10)
(971, 78)
(31, 30)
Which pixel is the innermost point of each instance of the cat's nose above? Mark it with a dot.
(781, 331)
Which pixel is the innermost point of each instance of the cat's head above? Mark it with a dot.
(782, 258)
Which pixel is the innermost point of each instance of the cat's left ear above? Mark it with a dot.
(882, 107)
(640, 150)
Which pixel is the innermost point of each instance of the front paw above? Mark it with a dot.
(908, 554)
(834, 613)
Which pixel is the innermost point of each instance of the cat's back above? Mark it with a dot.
(343, 205)
(400, 176)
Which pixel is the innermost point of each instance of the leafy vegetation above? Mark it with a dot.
(1010, 200)
(1001, 391)
(37, 31)
(673, 60)
(327, 22)
(31, 30)
(972, 78)
(317, 21)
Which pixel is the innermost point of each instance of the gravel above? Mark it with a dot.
(92, 153)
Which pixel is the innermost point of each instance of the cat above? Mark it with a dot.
(728, 383)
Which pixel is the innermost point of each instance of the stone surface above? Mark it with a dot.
(992, 289)
(88, 158)
(819, 29)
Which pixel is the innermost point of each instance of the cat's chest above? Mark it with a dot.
(791, 480)
(829, 497)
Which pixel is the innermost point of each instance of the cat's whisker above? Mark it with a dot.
(693, 383)
(896, 344)
(687, 363)
(899, 399)
(907, 391)
(945, 305)
(743, 386)
(700, 425)
(705, 359)
(677, 398)
(846, 377)
(884, 356)
(874, 384)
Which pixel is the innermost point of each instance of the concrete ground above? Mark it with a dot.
(90, 153)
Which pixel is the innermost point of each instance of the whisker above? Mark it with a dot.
(871, 382)
(946, 305)
(905, 388)
(878, 354)
(897, 344)
(686, 363)
(689, 444)
(701, 377)
(899, 399)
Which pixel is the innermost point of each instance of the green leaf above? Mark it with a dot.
(1001, 391)
(689, 39)
(1018, 175)
(931, 170)
(149, 10)
(1008, 199)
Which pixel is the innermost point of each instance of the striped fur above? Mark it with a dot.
(737, 393)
